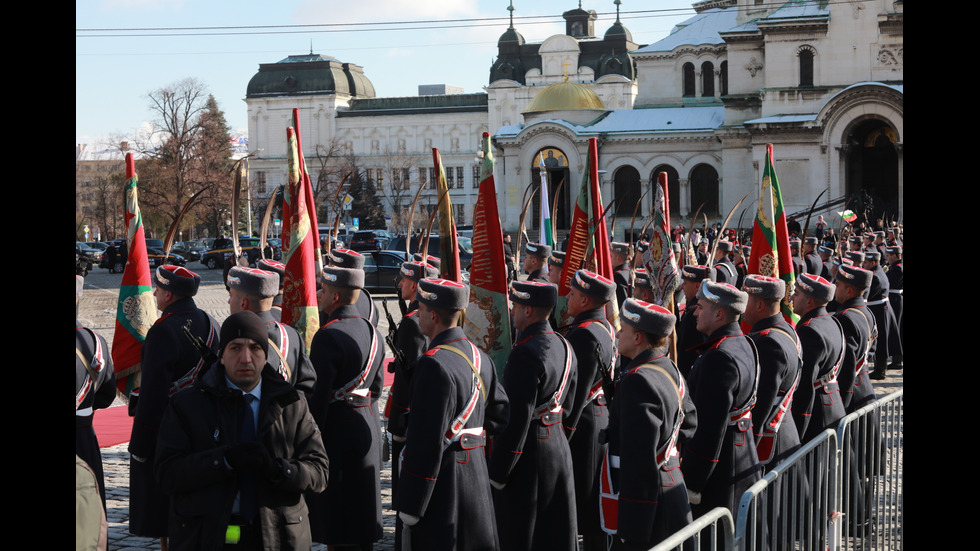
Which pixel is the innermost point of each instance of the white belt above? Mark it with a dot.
(84, 412)
(877, 302)
(895, 291)
(472, 432)
(614, 461)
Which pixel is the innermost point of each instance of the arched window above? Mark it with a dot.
(707, 80)
(689, 80)
(724, 78)
(806, 67)
(704, 189)
(673, 189)
(627, 190)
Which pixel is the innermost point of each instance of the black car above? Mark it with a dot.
(190, 250)
(369, 240)
(223, 248)
(157, 258)
(465, 247)
(382, 270)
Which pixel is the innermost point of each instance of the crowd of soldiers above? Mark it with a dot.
(619, 436)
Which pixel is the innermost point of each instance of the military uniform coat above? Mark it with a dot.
(859, 325)
(621, 275)
(880, 307)
(536, 508)
(689, 339)
(99, 394)
(349, 510)
(586, 418)
(725, 272)
(779, 369)
(896, 288)
(301, 373)
(166, 356)
(448, 487)
(720, 461)
(812, 263)
(818, 406)
(653, 501)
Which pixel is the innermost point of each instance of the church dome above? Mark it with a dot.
(309, 74)
(566, 96)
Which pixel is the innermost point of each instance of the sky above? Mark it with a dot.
(124, 49)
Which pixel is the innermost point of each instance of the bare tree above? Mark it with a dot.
(334, 162)
(166, 175)
(397, 187)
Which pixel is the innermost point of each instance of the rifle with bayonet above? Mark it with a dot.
(399, 356)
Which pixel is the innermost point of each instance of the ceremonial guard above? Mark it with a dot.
(353, 260)
(95, 388)
(409, 344)
(443, 493)
(643, 495)
(642, 286)
(170, 362)
(347, 354)
(689, 338)
(531, 464)
(826, 262)
(880, 308)
(254, 290)
(720, 461)
(896, 286)
(817, 403)
(739, 254)
(238, 449)
(535, 261)
(279, 269)
(620, 253)
(811, 260)
(724, 269)
(593, 340)
(555, 264)
(794, 248)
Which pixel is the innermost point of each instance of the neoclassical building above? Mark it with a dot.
(821, 81)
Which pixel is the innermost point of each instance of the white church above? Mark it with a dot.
(821, 81)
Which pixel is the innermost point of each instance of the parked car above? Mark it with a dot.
(465, 247)
(94, 255)
(222, 249)
(382, 270)
(157, 258)
(369, 240)
(190, 250)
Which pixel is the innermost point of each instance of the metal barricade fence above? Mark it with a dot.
(793, 506)
(713, 531)
(871, 487)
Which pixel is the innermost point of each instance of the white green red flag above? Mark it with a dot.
(544, 213)
(588, 238)
(770, 237)
(448, 242)
(659, 258)
(487, 316)
(136, 311)
(301, 247)
(848, 216)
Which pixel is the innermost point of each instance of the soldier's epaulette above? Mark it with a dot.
(430, 352)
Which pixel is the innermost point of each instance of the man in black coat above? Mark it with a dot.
(621, 255)
(443, 496)
(780, 365)
(817, 403)
(536, 261)
(593, 340)
(531, 464)
(650, 415)
(346, 258)
(689, 338)
(812, 264)
(95, 388)
(720, 461)
(238, 449)
(347, 353)
(880, 308)
(169, 362)
(896, 288)
(724, 269)
(254, 290)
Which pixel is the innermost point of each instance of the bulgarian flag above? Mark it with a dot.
(487, 320)
(448, 243)
(659, 258)
(770, 237)
(547, 230)
(300, 245)
(588, 239)
(136, 311)
(848, 216)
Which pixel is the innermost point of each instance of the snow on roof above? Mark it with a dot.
(703, 28)
(638, 121)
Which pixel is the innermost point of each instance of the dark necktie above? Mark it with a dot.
(248, 505)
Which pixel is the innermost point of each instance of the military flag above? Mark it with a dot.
(448, 241)
(659, 257)
(770, 237)
(588, 238)
(547, 230)
(487, 319)
(301, 247)
(136, 311)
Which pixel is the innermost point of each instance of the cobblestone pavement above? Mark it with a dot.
(97, 310)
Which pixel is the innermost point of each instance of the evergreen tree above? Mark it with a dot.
(213, 167)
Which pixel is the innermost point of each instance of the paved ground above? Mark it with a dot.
(97, 310)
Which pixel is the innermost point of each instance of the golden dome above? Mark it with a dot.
(566, 96)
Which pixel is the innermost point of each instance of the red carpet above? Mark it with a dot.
(114, 425)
